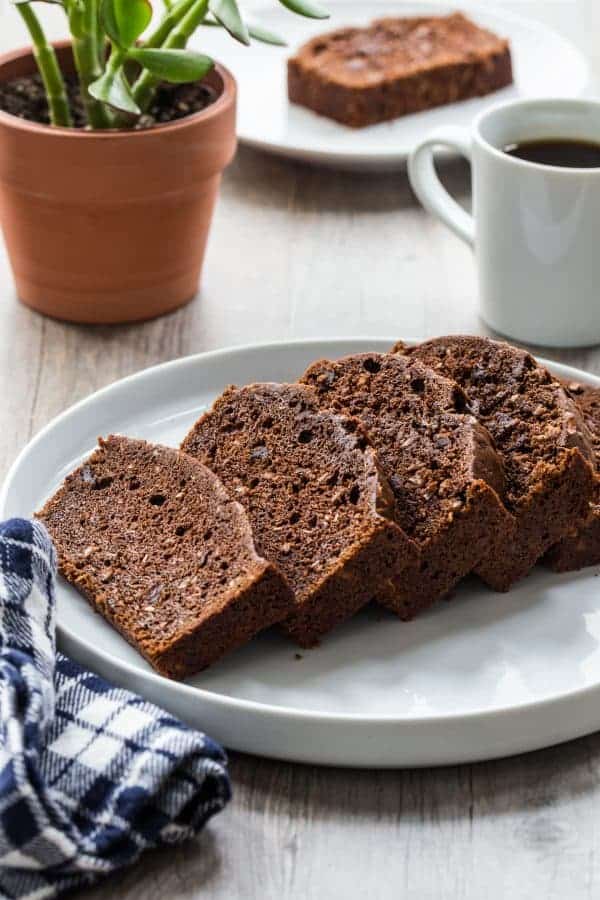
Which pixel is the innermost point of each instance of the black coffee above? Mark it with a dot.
(558, 152)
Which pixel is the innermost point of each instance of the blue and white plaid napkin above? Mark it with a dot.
(90, 775)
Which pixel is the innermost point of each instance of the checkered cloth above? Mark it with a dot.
(90, 775)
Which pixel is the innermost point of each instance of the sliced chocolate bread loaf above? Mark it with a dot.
(581, 548)
(153, 540)
(441, 464)
(396, 66)
(540, 435)
(318, 504)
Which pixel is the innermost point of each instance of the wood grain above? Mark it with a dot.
(517, 828)
(299, 252)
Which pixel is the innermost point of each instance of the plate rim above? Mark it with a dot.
(388, 156)
(222, 702)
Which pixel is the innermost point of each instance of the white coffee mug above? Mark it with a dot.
(535, 228)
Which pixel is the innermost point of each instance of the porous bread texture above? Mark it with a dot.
(539, 433)
(318, 503)
(445, 473)
(153, 540)
(397, 66)
(581, 547)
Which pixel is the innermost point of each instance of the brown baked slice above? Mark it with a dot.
(153, 540)
(396, 66)
(540, 435)
(445, 473)
(319, 506)
(581, 548)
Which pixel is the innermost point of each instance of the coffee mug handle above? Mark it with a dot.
(428, 187)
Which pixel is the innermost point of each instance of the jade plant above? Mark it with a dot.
(120, 63)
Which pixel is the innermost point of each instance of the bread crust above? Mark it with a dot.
(581, 548)
(540, 434)
(152, 539)
(447, 478)
(318, 503)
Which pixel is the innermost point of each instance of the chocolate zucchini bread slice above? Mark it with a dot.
(441, 464)
(540, 435)
(319, 506)
(153, 540)
(581, 548)
(396, 66)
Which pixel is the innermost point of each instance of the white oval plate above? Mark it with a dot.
(545, 65)
(483, 676)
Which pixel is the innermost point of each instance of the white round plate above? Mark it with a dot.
(483, 676)
(545, 65)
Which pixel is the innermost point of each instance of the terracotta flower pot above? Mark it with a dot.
(110, 226)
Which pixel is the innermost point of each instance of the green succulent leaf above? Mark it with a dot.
(176, 66)
(306, 8)
(255, 31)
(125, 20)
(113, 88)
(265, 36)
(227, 12)
(22, 2)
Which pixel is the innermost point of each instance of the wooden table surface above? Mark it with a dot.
(298, 252)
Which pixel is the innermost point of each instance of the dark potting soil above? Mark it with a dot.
(25, 98)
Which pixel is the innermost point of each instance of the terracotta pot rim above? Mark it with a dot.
(225, 97)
